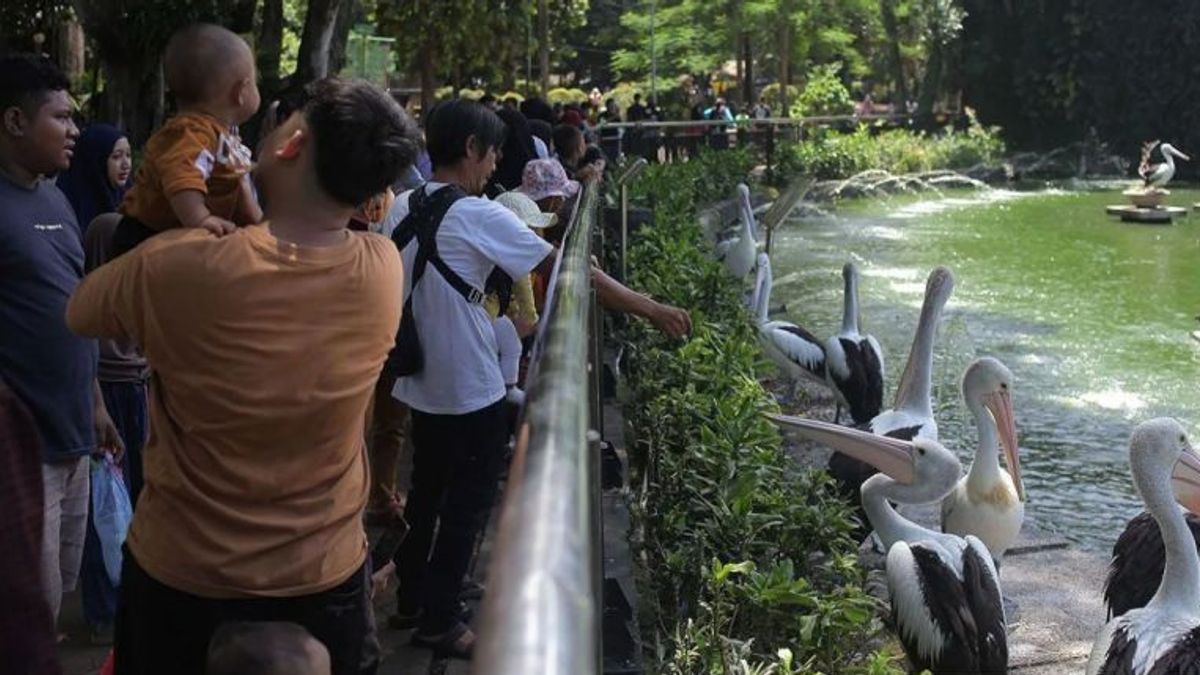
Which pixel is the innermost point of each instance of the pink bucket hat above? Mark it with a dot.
(546, 178)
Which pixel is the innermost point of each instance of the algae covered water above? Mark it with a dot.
(1093, 316)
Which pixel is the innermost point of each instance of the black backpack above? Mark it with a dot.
(425, 214)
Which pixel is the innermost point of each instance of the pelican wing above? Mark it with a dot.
(799, 346)
(860, 381)
(1138, 559)
(1119, 652)
(1183, 657)
(947, 624)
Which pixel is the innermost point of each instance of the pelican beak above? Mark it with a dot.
(1000, 405)
(1182, 156)
(892, 456)
(1186, 480)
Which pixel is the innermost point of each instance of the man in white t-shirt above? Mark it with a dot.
(457, 399)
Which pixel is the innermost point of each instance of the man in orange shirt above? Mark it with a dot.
(265, 346)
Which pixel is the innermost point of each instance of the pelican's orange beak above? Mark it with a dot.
(1000, 405)
(1186, 480)
(892, 456)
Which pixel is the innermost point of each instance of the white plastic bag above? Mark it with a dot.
(111, 513)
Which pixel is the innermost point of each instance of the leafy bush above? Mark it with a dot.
(771, 95)
(824, 93)
(830, 155)
(744, 558)
(564, 95)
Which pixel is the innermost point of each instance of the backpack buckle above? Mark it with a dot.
(475, 297)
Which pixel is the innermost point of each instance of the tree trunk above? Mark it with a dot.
(312, 61)
(930, 85)
(887, 10)
(785, 59)
(544, 44)
(747, 73)
(425, 63)
(241, 16)
(346, 15)
(270, 44)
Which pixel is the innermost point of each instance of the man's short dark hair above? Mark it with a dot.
(542, 130)
(26, 79)
(536, 108)
(258, 648)
(451, 123)
(363, 138)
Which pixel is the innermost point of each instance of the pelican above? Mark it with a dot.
(1138, 560)
(1158, 175)
(797, 352)
(737, 253)
(912, 414)
(853, 361)
(989, 502)
(944, 590)
(1163, 637)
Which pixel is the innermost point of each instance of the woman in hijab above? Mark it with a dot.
(517, 150)
(99, 173)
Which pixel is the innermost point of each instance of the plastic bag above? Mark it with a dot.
(111, 513)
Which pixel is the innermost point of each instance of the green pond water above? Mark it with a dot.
(1092, 315)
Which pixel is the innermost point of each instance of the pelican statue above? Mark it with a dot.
(737, 253)
(797, 352)
(1162, 638)
(944, 590)
(989, 502)
(912, 414)
(1158, 175)
(853, 361)
(1138, 560)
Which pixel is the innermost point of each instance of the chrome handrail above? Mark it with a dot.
(541, 611)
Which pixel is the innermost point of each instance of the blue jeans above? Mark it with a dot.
(126, 403)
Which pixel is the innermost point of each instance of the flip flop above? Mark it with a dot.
(457, 643)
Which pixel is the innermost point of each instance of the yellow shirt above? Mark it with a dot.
(520, 306)
(192, 151)
(265, 355)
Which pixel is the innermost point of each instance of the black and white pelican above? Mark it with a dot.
(797, 352)
(1158, 175)
(989, 502)
(1138, 559)
(737, 253)
(1162, 638)
(912, 414)
(853, 361)
(944, 590)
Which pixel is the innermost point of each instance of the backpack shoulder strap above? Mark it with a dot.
(425, 215)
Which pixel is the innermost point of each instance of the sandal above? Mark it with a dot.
(457, 643)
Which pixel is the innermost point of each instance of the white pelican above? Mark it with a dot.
(912, 414)
(944, 590)
(1162, 638)
(737, 253)
(853, 361)
(989, 502)
(1158, 175)
(797, 352)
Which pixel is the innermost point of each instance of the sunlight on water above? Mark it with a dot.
(1093, 316)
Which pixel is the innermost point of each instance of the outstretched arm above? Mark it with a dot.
(616, 297)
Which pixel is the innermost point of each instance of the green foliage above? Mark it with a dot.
(824, 93)
(830, 155)
(771, 94)
(747, 565)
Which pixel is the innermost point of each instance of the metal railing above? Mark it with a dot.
(542, 610)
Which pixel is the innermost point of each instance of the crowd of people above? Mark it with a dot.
(271, 348)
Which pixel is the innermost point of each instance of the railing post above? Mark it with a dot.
(632, 171)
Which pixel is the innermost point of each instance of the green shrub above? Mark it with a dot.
(770, 94)
(824, 93)
(564, 95)
(830, 155)
(743, 557)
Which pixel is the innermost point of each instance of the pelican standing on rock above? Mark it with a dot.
(912, 416)
(797, 352)
(944, 590)
(1138, 560)
(853, 361)
(989, 502)
(1158, 175)
(1162, 638)
(737, 253)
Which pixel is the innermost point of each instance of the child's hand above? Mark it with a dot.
(217, 225)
